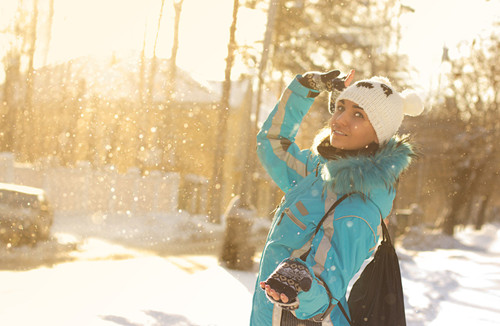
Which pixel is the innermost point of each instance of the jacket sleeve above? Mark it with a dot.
(276, 148)
(337, 253)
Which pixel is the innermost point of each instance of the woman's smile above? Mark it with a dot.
(339, 133)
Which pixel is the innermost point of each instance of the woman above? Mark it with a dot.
(356, 165)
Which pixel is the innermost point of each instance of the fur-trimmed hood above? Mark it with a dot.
(364, 173)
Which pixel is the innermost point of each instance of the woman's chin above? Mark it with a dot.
(335, 142)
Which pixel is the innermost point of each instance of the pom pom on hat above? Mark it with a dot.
(412, 103)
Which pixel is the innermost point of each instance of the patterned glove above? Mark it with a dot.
(289, 278)
(328, 81)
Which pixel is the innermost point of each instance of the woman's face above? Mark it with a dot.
(350, 127)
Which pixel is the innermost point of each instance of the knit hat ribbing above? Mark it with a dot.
(384, 106)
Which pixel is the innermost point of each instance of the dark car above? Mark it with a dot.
(25, 215)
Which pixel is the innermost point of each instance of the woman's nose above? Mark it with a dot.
(340, 119)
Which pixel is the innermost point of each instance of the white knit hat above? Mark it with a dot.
(384, 106)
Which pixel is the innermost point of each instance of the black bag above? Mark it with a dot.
(376, 298)
(288, 319)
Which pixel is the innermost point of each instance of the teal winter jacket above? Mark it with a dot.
(312, 184)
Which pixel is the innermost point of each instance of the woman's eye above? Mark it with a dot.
(359, 115)
(340, 108)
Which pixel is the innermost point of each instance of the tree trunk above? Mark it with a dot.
(217, 182)
(247, 191)
(142, 72)
(481, 215)
(271, 18)
(153, 69)
(48, 34)
(451, 219)
(166, 134)
(12, 66)
(172, 72)
(33, 125)
(457, 202)
(246, 151)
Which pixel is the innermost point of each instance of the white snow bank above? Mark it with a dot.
(452, 281)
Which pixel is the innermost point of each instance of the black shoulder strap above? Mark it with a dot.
(344, 313)
(337, 202)
(385, 232)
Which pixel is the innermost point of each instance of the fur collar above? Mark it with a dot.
(364, 173)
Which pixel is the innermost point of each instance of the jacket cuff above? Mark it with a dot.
(302, 90)
(313, 302)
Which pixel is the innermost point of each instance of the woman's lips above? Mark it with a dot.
(339, 133)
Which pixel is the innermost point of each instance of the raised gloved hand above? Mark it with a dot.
(327, 81)
(288, 279)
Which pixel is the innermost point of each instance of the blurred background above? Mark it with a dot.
(153, 106)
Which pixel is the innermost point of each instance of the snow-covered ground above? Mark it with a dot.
(163, 270)
(452, 281)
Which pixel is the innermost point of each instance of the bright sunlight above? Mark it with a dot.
(114, 27)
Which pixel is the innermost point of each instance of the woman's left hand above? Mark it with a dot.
(273, 294)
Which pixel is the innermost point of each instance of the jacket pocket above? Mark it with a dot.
(295, 224)
(292, 229)
(288, 212)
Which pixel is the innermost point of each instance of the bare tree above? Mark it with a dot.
(48, 32)
(29, 137)
(11, 85)
(142, 70)
(172, 71)
(19, 80)
(250, 159)
(217, 182)
(266, 48)
(473, 101)
(153, 68)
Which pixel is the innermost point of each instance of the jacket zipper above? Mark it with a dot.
(294, 219)
(281, 217)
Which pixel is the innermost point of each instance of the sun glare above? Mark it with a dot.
(435, 24)
(118, 28)
(96, 27)
(103, 28)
